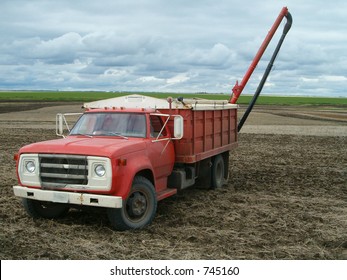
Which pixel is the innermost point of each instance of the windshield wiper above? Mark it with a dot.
(116, 134)
(81, 134)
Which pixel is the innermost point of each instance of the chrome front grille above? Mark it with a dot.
(62, 170)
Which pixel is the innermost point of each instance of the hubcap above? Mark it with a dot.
(136, 205)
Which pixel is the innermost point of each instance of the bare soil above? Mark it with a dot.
(286, 197)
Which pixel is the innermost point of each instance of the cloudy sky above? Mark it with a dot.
(171, 46)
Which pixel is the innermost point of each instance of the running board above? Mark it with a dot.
(166, 193)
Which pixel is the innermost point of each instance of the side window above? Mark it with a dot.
(157, 126)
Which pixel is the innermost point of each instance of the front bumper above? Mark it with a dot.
(69, 197)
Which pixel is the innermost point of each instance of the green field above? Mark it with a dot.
(85, 96)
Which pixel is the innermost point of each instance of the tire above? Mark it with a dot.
(44, 209)
(138, 209)
(217, 172)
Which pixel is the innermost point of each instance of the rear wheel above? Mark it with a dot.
(217, 172)
(138, 209)
(44, 209)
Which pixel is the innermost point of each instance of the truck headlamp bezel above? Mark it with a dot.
(28, 170)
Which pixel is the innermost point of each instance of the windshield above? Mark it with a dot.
(111, 124)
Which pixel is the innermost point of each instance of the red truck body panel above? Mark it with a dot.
(206, 133)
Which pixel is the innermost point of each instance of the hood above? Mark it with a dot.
(82, 145)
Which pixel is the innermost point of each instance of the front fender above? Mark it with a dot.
(126, 172)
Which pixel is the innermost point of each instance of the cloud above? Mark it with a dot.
(154, 45)
(115, 72)
(335, 78)
(309, 80)
(180, 78)
(60, 50)
(218, 56)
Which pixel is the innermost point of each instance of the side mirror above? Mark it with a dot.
(178, 127)
(61, 122)
(59, 125)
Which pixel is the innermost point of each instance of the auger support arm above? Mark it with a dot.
(238, 87)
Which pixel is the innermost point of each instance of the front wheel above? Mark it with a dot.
(44, 209)
(138, 209)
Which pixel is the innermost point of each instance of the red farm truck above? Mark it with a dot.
(127, 153)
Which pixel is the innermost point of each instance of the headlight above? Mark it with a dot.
(100, 170)
(30, 166)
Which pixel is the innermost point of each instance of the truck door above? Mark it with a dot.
(161, 150)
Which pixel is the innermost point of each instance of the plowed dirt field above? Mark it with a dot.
(286, 197)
